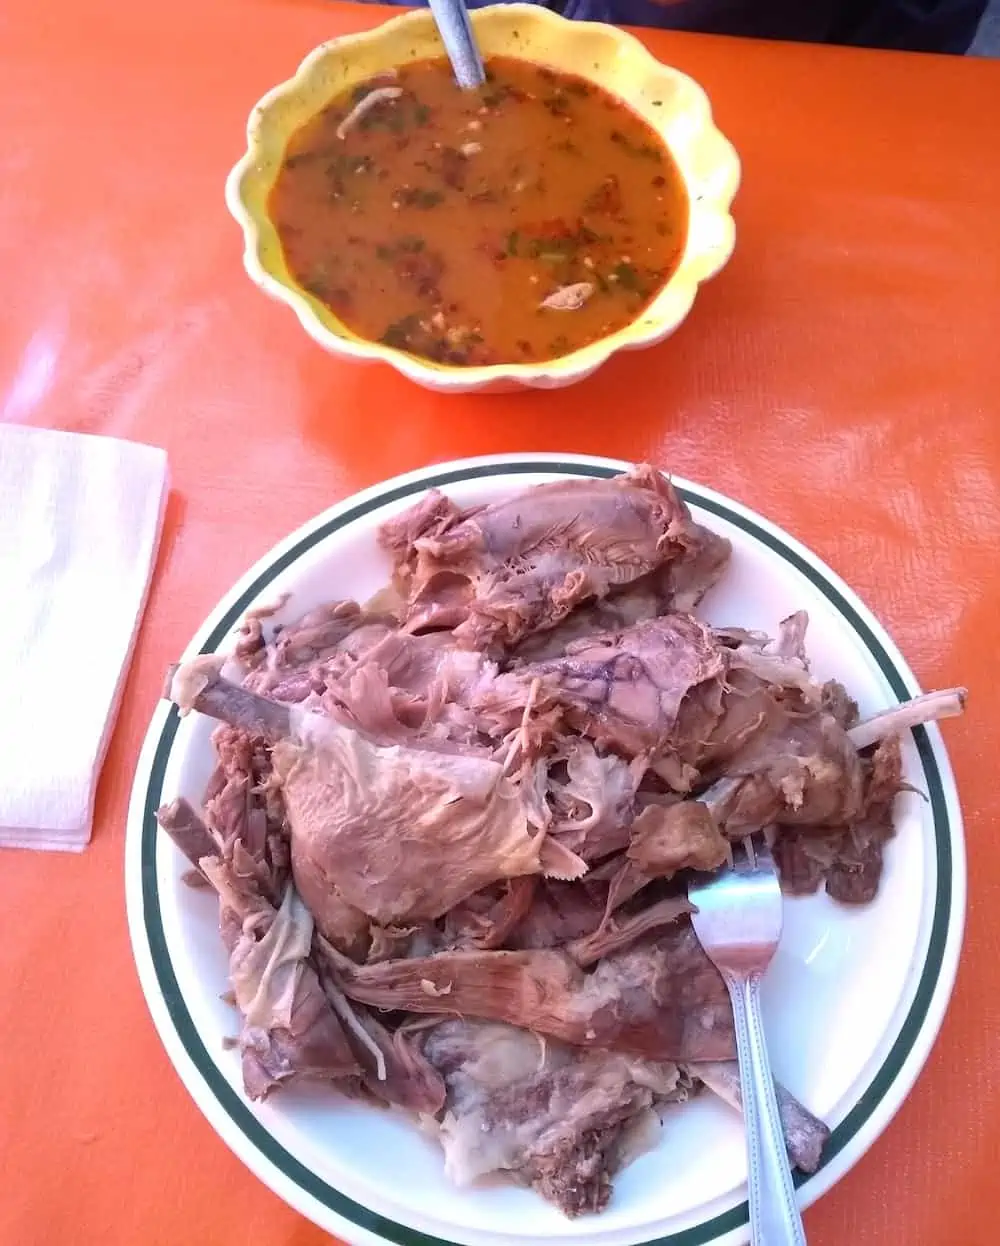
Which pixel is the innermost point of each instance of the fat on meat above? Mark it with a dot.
(557, 1118)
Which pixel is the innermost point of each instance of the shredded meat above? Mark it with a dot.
(450, 829)
(661, 998)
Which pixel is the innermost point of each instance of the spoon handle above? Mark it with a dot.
(452, 20)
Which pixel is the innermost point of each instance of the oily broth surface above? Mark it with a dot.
(442, 219)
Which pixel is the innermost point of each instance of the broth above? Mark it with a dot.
(514, 224)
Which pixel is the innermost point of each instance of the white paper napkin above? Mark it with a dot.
(80, 521)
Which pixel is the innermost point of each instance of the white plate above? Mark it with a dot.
(853, 1002)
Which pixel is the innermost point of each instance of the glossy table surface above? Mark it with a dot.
(842, 375)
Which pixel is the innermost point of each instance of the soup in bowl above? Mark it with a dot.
(519, 233)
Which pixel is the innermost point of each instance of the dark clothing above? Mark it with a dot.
(909, 25)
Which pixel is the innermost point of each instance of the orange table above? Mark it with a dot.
(842, 375)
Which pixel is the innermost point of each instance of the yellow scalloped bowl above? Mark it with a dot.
(671, 102)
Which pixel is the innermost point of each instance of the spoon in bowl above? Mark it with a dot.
(452, 20)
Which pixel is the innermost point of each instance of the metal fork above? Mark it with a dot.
(738, 922)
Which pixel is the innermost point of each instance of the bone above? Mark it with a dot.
(198, 685)
(947, 703)
(187, 829)
(805, 1134)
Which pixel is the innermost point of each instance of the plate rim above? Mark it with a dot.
(228, 1111)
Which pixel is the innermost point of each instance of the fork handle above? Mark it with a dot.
(774, 1214)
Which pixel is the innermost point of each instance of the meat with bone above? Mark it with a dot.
(523, 564)
(557, 1118)
(805, 1136)
(672, 692)
(834, 806)
(660, 998)
(402, 834)
(669, 689)
(477, 787)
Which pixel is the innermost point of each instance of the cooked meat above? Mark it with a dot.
(558, 914)
(660, 998)
(556, 1117)
(681, 836)
(640, 601)
(839, 704)
(594, 806)
(289, 1031)
(803, 772)
(613, 935)
(686, 580)
(526, 562)
(846, 858)
(290, 665)
(676, 587)
(396, 1072)
(674, 692)
(490, 924)
(404, 834)
(624, 690)
(401, 834)
(346, 927)
(406, 685)
(443, 825)
(428, 519)
(805, 1136)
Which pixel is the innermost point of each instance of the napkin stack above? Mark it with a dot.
(80, 521)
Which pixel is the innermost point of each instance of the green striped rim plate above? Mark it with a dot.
(328, 1161)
